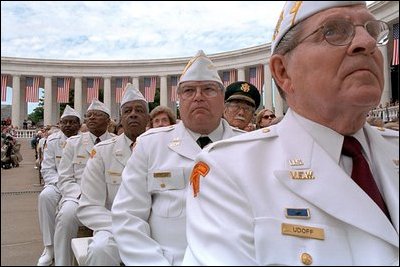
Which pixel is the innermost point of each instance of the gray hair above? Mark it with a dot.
(286, 45)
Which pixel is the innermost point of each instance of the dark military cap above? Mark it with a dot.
(243, 91)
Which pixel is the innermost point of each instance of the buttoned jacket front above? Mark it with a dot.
(239, 215)
(52, 157)
(100, 182)
(148, 214)
(75, 155)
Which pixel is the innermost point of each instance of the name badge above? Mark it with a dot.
(80, 156)
(162, 174)
(303, 231)
(114, 173)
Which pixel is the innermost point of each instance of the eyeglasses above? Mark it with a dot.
(190, 92)
(342, 32)
(272, 116)
(236, 106)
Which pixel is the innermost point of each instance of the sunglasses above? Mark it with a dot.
(272, 116)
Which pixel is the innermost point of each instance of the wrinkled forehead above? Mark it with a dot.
(199, 84)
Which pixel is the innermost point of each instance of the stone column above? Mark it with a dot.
(16, 102)
(163, 91)
(241, 74)
(387, 89)
(135, 82)
(267, 87)
(48, 104)
(107, 94)
(78, 105)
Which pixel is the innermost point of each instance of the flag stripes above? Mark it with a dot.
(32, 89)
(174, 87)
(4, 79)
(256, 77)
(93, 85)
(120, 84)
(150, 88)
(229, 77)
(63, 89)
(395, 59)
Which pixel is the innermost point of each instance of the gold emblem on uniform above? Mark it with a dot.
(175, 142)
(245, 87)
(306, 259)
(162, 174)
(63, 144)
(92, 153)
(303, 231)
(295, 162)
(302, 175)
(381, 129)
(265, 130)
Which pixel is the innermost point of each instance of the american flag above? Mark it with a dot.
(150, 88)
(4, 79)
(395, 60)
(63, 89)
(120, 84)
(174, 86)
(93, 85)
(32, 89)
(228, 77)
(256, 75)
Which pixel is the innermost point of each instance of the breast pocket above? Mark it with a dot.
(168, 191)
(79, 163)
(113, 181)
(275, 248)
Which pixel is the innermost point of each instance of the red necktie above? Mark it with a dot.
(361, 173)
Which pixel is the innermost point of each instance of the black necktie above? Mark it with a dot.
(361, 174)
(203, 141)
(97, 140)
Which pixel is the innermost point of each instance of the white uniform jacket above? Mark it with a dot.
(275, 197)
(101, 180)
(52, 157)
(148, 214)
(75, 155)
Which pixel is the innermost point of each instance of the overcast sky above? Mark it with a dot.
(133, 30)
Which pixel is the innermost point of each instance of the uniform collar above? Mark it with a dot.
(215, 135)
(328, 139)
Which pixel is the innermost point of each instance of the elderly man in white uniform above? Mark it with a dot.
(50, 196)
(75, 155)
(102, 178)
(289, 194)
(148, 214)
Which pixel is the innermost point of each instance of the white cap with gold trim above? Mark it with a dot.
(296, 11)
(200, 68)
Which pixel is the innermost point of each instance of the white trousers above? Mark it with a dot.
(67, 225)
(103, 250)
(47, 208)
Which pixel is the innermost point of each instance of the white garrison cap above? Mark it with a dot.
(68, 111)
(131, 93)
(295, 11)
(200, 68)
(97, 105)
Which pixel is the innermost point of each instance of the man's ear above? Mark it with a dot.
(277, 64)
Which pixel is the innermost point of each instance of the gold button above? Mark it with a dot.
(162, 185)
(306, 259)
